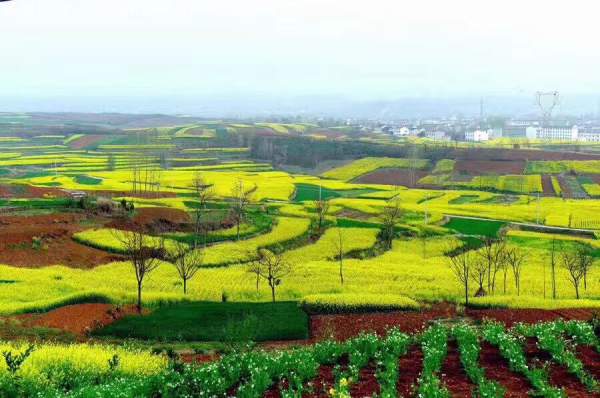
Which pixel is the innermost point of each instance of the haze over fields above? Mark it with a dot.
(237, 57)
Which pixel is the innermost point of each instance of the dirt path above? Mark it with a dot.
(410, 368)
(496, 368)
(453, 375)
(558, 375)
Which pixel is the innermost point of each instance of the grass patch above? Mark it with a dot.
(463, 199)
(87, 180)
(210, 321)
(467, 226)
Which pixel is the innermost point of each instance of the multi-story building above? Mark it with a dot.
(552, 133)
(477, 135)
(589, 134)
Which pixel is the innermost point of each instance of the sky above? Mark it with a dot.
(366, 50)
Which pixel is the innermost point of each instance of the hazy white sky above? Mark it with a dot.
(364, 49)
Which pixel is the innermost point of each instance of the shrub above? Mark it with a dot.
(341, 303)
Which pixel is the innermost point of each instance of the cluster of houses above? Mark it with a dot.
(517, 129)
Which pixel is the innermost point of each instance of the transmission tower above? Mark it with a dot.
(547, 101)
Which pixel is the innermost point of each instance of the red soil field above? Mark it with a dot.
(86, 140)
(54, 232)
(515, 154)
(30, 192)
(79, 319)
(496, 368)
(344, 326)
(499, 167)
(392, 177)
(453, 375)
(154, 218)
(558, 375)
(547, 188)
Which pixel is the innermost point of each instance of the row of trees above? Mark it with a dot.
(495, 256)
(145, 252)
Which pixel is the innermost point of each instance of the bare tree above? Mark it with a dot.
(570, 262)
(239, 209)
(491, 253)
(321, 209)
(479, 269)
(586, 260)
(144, 252)
(389, 217)
(515, 258)
(338, 243)
(204, 193)
(460, 266)
(186, 260)
(271, 267)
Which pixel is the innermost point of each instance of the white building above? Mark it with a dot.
(401, 132)
(589, 134)
(552, 133)
(477, 135)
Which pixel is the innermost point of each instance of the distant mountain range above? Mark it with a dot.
(317, 106)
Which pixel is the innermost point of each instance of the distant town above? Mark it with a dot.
(478, 130)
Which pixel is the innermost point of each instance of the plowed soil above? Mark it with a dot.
(497, 167)
(392, 177)
(30, 192)
(42, 240)
(86, 140)
(156, 219)
(345, 326)
(79, 319)
(511, 316)
(547, 187)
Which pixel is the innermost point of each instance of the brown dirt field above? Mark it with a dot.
(79, 319)
(496, 368)
(499, 167)
(345, 326)
(30, 192)
(511, 316)
(85, 141)
(392, 177)
(154, 218)
(453, 375)
(17, 234)
(547, 188)
(515, 154)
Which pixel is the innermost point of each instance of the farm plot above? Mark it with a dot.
(42, 240)
(446, 361)
(393, 176)
(571, 188)
(367, 165)
(489, 167)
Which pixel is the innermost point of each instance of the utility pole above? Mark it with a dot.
(537, 210)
